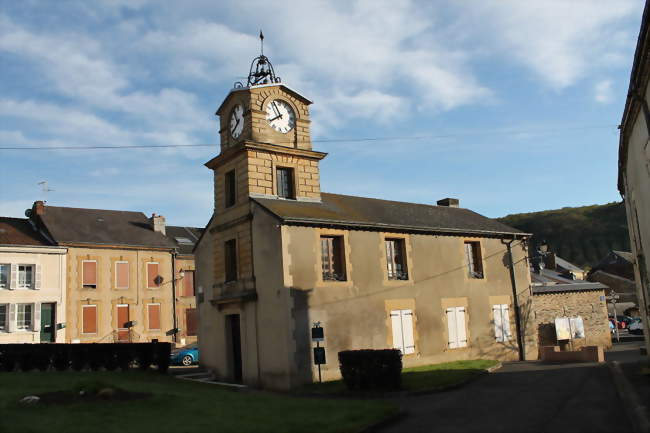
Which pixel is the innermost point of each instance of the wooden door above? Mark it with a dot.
(48, 323)
(122, 319)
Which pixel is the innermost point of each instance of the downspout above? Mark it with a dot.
(175, 326)
(515, 301)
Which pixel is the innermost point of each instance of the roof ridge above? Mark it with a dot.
(404, 202)
(90, 208)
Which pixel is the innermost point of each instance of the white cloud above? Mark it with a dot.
(603, 91)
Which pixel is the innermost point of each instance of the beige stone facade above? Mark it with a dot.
(184, 301)
(138, 297)
(588, 304)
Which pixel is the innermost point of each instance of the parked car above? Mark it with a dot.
(636, 327)
(612, 327)
(186, 356)
(622, 324)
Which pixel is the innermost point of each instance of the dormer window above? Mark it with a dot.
(284, 178)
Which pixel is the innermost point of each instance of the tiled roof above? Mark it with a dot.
(18, 231)
(361, 212)
(69, 225)
(184, 237)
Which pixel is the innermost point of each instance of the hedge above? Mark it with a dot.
(371, 369)
(92, 356)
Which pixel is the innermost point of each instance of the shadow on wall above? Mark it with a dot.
(301, 334)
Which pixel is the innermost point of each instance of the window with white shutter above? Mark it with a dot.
(37, 277)
(5, 272)
(402, 327)
(501, 322)
(24, 316)
(13, 281)
(3, 317)
(26, 276)
(456, 327)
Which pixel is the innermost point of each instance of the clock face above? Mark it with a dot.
(280, 116)
(237, 121)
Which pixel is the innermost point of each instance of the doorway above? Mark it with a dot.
(48, 323)
(234, 334)
(123, 332)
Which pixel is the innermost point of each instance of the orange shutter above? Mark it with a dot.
(89, 272)
(154, 316)
(122, 275)
(152, 274)
(191, 321)
(188, 283)
(122, 316)
(89, 313)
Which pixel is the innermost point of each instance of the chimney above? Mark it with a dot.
(449, 202)
(38, 208)
(549, 260)
(157, 223)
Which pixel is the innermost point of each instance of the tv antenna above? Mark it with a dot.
(45, 189)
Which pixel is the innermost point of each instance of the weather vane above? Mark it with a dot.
(261, 70)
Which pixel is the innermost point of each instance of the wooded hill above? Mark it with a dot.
(581, 235)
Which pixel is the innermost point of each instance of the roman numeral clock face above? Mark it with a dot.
(280, 116)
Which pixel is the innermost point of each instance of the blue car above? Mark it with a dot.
(186, 356)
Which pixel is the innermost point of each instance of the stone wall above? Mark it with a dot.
(261, 169)
(587, 304)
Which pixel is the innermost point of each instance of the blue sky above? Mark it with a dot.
(509, 106)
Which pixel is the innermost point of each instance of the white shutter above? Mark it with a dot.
(396, 323)
(460, 327)
(37, 277)
(505, 322)
(498, 323)
(11, 317)
(452, 336)
(36, 316)
(407, 332)
(470, 259)
(13, 281)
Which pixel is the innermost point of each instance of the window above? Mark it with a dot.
(89, 274)
(456, 332)
(501, 322)
(25, 276)
(3, 317)
(24, 316)
(473, 258)
(396, 259)
(153, 315)
(153, 279)
(332, 257)
(188, 283)
(230, 188)
(122, 321)
(231, 260)
(122, 275)
(89, 319)
(402, 324)
(191, 321)
(284, 178)
(5, 271)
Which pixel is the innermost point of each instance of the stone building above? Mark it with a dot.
(634, 166)
(278, 256)
(32, 285)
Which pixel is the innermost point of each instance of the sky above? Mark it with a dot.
(509, 106)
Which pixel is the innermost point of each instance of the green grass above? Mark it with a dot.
(176, 406)
(423, 378)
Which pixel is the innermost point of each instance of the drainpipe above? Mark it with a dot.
(513, 281)
(175, 326)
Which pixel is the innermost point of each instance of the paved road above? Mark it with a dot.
(522, 397)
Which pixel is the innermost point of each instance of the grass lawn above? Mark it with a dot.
(426, 377)
(176, 406)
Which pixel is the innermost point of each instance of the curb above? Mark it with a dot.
(389, 420)
(635, 411)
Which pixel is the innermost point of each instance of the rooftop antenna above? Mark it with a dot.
(44, 189)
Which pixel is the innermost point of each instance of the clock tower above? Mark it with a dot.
(266, 152)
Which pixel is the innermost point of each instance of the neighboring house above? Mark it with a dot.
(616, 271)
(279, 256)
(119, 273)
(634, 166)
(553, 261)
(619, 263)
(184, 272)
(32, 285)
(557, 293)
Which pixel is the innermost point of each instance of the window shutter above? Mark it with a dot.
(407, 332)
(152, 273)
(505, 322)
(11, 317)
(191, 321)
(154, 316)
(37, 277)
(89, 319)
(396, 324)
(14, 277)
(460, 327)
(469, 254)
(498, 323)
(188, 283)
(452, 338)
(122, 275)
(89, 270)
(122, 316)
(36, 316)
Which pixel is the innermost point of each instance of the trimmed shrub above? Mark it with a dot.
(7, 358)
(42, 356)
(26, 359)
(162, 352)
(95, 355)
(371, 369)
(77, 357)
(144, 356)
(60, 357)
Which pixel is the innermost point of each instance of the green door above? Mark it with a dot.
(48, 323)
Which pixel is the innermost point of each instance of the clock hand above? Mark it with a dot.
(279, 116)
(275, 107)
(235, 127)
